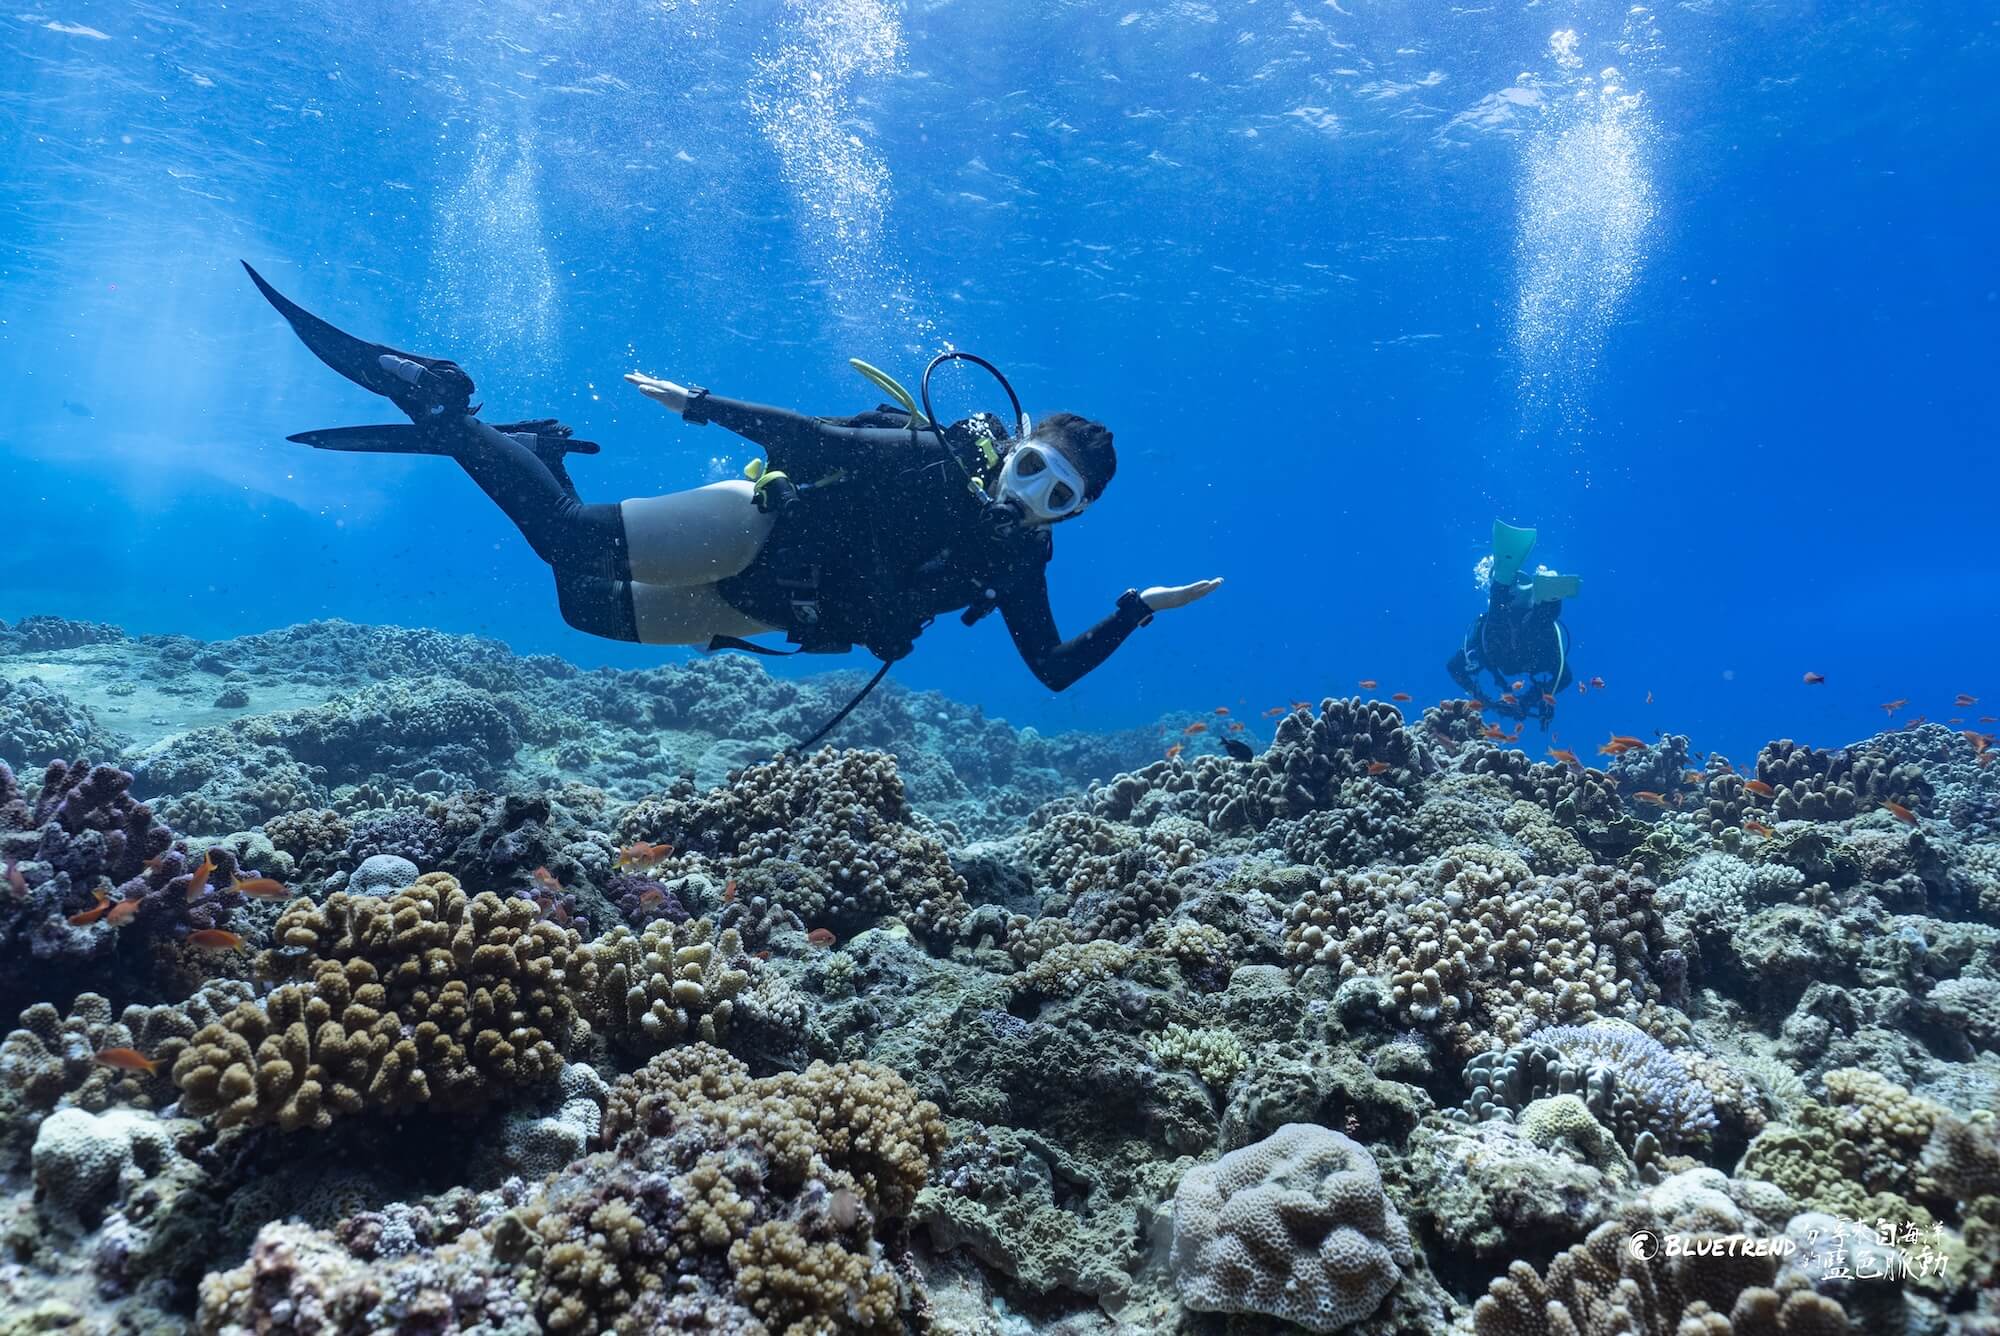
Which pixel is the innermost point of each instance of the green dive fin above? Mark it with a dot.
(890, 386)
(1550, 588)
(1511, 547)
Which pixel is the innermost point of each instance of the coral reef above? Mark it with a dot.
(495, 994)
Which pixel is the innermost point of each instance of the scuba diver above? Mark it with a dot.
(850, 531)
(1519, 642)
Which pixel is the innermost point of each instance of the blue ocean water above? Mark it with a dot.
(1706, 292)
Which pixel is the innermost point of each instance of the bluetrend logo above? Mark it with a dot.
(1644, 1245)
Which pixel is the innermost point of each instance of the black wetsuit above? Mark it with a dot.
(1512, 639)
(885, 534)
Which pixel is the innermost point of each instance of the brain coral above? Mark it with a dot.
(428, 997)
(1295, 1227)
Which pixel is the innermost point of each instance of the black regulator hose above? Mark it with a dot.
(924, 388)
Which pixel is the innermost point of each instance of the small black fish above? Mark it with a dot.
(77, 409)
(1239, 750)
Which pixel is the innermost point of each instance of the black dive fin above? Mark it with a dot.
(398, 438)
(403, 438)
(445, 389)
(544, 435)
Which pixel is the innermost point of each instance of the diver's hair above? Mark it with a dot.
(1085, 444)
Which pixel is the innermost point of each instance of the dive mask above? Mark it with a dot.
(1041, 482)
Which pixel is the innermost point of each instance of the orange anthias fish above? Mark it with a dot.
(651, 896)
(1597, 684)
(123, 912)
(1989, 718)
(198, 879)
(128, 1060)
(1377, 767)
(1516, 686)
(1401, 697)
(1964, 700)
(1368, 684)
(1565, 755)
(641, 854)
(1274, 711)
(729, 891)
(1627, 742)
(821, 937)
(546, 881)
(1196, 727)
(214, 939)
(1650, 798)
(1758, 787)
(1980, 741)
(1236, 725)
(261, 888)
(1891, 706)
(1222, 709)
(1175, 750)
(1815, 679)
(1759, 828)
(1495, 731)
(1900, 812)
(1507, 698)
(95, 912)
(16, 883)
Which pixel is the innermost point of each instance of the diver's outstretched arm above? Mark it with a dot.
(1059, 663)
(809, 444)
(1055, 662)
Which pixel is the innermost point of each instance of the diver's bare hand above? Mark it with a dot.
(665, 393)
(1161, 597)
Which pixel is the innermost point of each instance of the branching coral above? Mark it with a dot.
(666, 983)
(425, 998)
(829, 837)
(1474, 942)
(1631, 1083)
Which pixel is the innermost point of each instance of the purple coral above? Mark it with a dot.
(85, 833)
(1635, 1078)
(632, 895)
